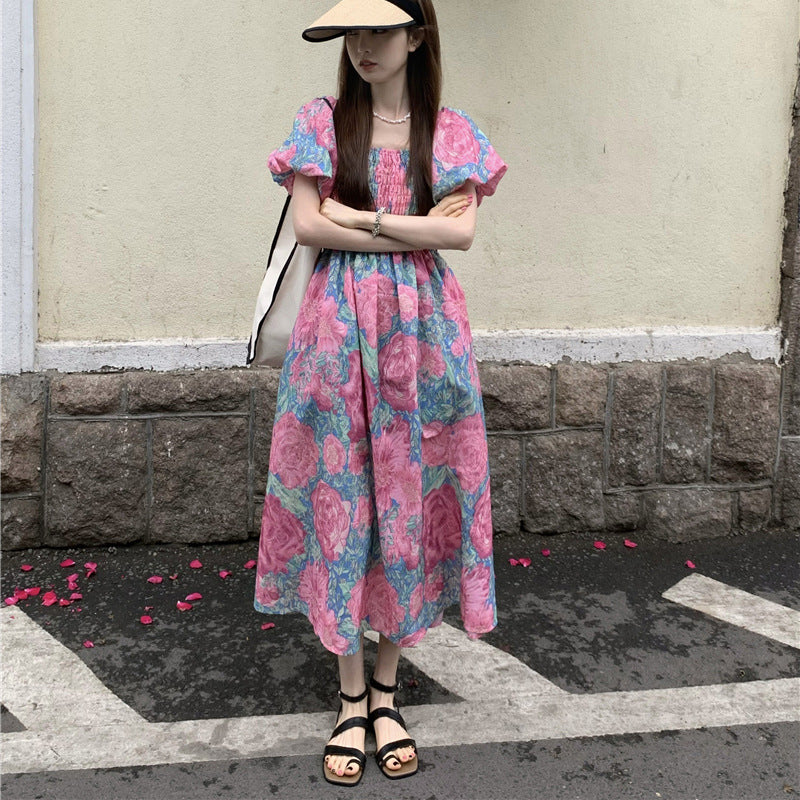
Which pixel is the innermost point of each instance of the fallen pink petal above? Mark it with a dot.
(72, 586)
(90, 572)
(629, 543)
(513, 562)
(196, 564)
(49, 598)
(183, 606)
(26, 567)
(33, 591)
(194, 596)
(155, 579)
(600, 545)
(223, 573)
(64, 602)
(76, 596)
(21, 594)
(526, 562)
(67, 562)
(250, 564)
(545, 552)
(73, 577)
(173, 577)
(690, 564)
(88, 643)
(145, 619)
(11, 601)
(267, 625)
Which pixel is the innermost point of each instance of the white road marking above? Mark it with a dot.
(504, 700)
(738, 607)
(45, 685)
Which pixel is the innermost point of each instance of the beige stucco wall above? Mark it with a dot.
(647, 144)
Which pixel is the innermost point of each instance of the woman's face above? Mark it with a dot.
(379, 55)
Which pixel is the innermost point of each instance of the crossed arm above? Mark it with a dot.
(448, 226)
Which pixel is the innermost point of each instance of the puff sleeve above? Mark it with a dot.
(461, 152)
(308, 148)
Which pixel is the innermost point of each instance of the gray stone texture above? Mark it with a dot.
(515, 397)
(686, 434)
(201, 390)
(266, 393)
(505, 458)
(563, 482)
(200, 480)
(21, 523)
(755, 507)
(788, 488)
(745, 428)
(581, 391)
(685, 515)
(96, 482)
(635, 416)
(622, 510)
(86, 393)
(22, 401)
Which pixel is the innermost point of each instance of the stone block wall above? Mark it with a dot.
(678, 451)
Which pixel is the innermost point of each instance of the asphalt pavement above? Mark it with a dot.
(664, 671)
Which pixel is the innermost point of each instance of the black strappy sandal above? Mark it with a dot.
(407, 768)
(357, 755)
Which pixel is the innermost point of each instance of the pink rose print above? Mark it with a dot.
(327, 628)
(415, 601)
(387, 301)
(481, 531)
(436, 440)
(402, 544)
(294, 453)
(396, 476)
(407, 300)
(331, 520)
(412, 638)
(454, 143)
(384, 610)
(470, 459)
(333, 454)
(267, 592)
(434, 586)
(397, 365)
(431, 361)
(364, 511)
(281, 160)
(477, 612)
(331, 331)
(357, 456)
(304, 332)
(282, 537)
(441, 533)
(454, 305)
(355, 605)
(313, 589)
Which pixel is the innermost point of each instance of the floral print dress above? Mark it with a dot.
(377, 510)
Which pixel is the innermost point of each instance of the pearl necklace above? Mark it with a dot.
(392, 121)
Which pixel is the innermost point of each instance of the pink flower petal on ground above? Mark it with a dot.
(183, 606)
(49, 598)
(629, 543)
(72, 586)
(194, 596)
(173, 577)
(223, 573)
(250, 564)
(92, 565)
(690, 564)
(513, 562)
(21, 594)
(73, 577)
(196, 564)
(64, 602)
(267, 625)
(600, 545)
(33, 591)
(76, 596)
(545, 552)
(11, 601)
(67, 562)
(526, 562)
(88, 643)
(26, 567)
(149, 608)
(145, 619)
(155, 579)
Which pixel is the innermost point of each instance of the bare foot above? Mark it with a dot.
(351, 738)
(387, 730)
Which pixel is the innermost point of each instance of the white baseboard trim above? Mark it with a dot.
(532, 346)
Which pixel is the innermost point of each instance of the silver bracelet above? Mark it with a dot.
(376, 228)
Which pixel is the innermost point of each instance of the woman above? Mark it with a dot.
(377, 510)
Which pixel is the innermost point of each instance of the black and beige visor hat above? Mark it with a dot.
(351, 15)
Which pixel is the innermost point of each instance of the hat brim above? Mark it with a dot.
(350, 15)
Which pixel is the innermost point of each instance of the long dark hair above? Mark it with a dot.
(352, 120)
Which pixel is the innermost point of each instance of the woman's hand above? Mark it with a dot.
(344, 215)
(454, 205)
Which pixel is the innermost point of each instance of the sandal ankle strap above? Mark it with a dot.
(354, 698)
(382, 687)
